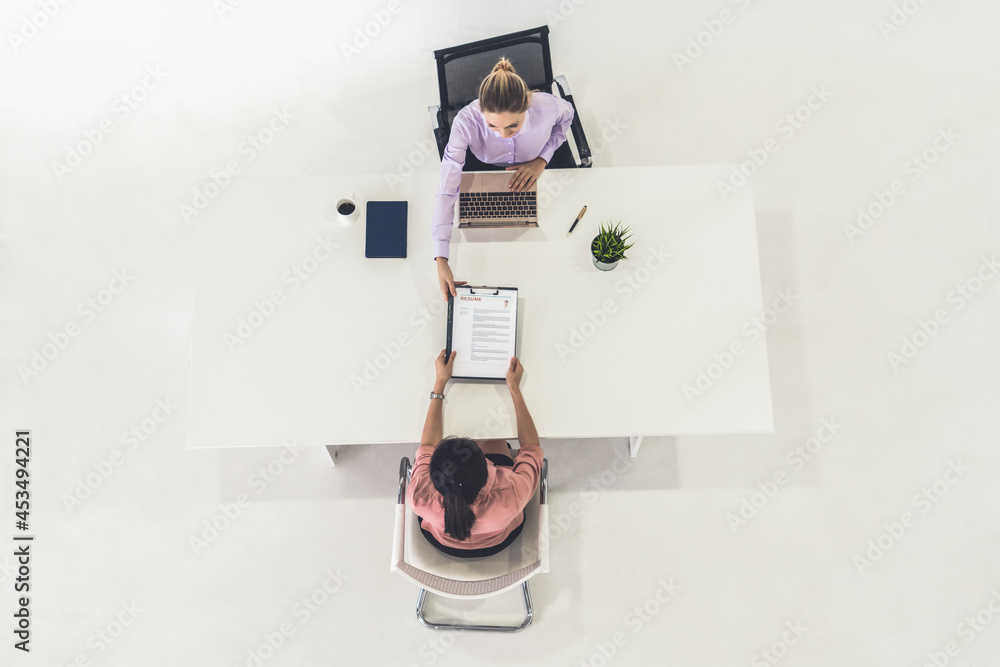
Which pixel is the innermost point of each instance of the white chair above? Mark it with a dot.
(469, 578)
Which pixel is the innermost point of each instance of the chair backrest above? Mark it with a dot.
(461, 69)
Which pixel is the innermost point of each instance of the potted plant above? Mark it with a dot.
(609, 246)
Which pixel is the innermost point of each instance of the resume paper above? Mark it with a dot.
(484, 330)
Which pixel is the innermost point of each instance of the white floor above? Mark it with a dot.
(844, 563)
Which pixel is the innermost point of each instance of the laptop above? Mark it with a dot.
(484, 200)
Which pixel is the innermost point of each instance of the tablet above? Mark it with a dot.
(482, 329)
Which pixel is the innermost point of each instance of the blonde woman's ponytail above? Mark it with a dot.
(503, 90)
(503, 65)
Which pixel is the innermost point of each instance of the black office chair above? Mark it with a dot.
(461, 69)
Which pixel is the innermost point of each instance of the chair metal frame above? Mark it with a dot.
(439, 118)
(543, 492)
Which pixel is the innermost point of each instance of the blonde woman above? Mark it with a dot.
(508, 125)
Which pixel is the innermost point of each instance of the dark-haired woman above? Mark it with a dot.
(470, 495)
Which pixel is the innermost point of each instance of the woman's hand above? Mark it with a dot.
(445, 279)
(443, 369)
(514, 372)
(527, 174)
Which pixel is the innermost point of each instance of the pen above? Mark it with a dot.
(582, 211)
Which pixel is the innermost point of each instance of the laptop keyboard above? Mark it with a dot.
(484, 205)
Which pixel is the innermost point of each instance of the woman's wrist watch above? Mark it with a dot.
(433, 395)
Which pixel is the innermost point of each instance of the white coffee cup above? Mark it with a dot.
(347, 210)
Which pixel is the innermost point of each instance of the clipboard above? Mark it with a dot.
(482, 328)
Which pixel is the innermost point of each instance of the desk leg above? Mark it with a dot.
(633, 444)
(331, 454)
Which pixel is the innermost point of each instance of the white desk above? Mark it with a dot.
(291, 379)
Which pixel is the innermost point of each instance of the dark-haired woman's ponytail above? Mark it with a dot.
(458, 471)
(458, 518)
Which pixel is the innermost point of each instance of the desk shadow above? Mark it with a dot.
(489, 235)
(735, 461)
(575, 466)
(580, 466)
(273, 474)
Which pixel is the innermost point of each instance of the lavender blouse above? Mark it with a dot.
(544, 129)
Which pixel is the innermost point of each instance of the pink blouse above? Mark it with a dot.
(498, 508)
